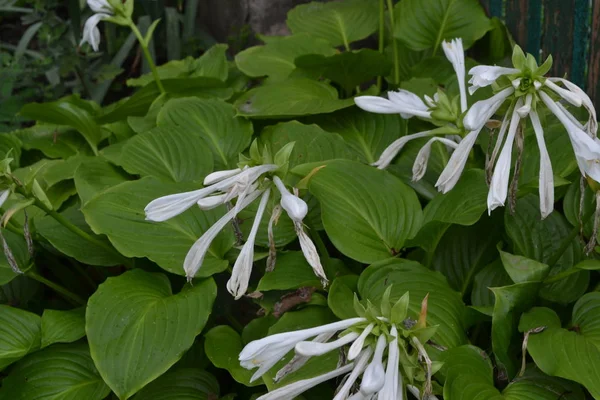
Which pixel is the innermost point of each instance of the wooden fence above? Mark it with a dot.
(567, 29)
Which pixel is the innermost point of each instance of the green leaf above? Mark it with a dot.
(290, 98)
(62, 326)
(181, 384)
(340, 23)
(276, 58)
(537, 239)
(168, 153)
(571, 354)
(20, 334)
(283, 232)
(340, 296)
(291, 271)
(311, 143)
(137, 328)
(213, 63)
(119, 213)
(492, 275)
(64, 372)
(367, 134)
(66, 112)
(445, 307)
(510, 302)
(94, 176)
(74, 245)
(522, 269)
(349, 69)
(18, 246)
(358, 203)
(214, 122)
(424, 24)
(55, 141)
(223, 346)
(150, 32)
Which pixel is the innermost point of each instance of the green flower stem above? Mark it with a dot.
(381, 35)
(140, 39)
(64, 292)
(390, 7)
(81, 233)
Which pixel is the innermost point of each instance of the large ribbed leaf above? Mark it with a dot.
(181, 384)
(168, 153)
(292, 97)
(469, 376)
(572, 353)
(339, 22)
(19, 334)
(424, 24)
(292, 271)
(64, 372)
(94, 176)
(367, 213)
(535, 238)
(137, 328)
(276, 58)
(214, 121)
(119, 213)
(62, 326)
(445, 308)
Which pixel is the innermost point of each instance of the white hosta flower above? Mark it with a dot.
(240, 276)
(4, 196)
(392, 389)
(208, 203)
(359, 367)
(483, 110)
(524, 110)
(485, 75)
(546, 189)
(402, 102)
(499, 185)
(592, 125)
(195, 256)
(586, 148)
(374, 377)
(294, 389)
(299, 360)
(91, 34)
(358, 344)
(310, 349)
(265, 353)
(218, 176)
(571, 97)
(456, 55)
(295, 207)
(420, 165)
(453, 170)
(390, 152)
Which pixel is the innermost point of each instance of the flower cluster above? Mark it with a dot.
(113, 10)
(384, 350)
(244, 185)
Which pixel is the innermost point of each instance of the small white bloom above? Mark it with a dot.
(402, 102)
(218, 176)
(240, 276)
(358, 344)
(310, 252)
(453, 170)
(456, 55)
(390, 152)
(295, 207)
(208, 203)
(91, 33)
(568, 95)
(374, 377)
(499, 141)
(392, 389)
(359, 367)
(546, 189)
(294, 389)
(309, 349)
(485, 75)
(483, 110)
(499, 185)
(524, 110)
(420, 165)
(299, 361)
(195, 256)
(592, 124)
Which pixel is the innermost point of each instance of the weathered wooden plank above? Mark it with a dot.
(593, 75)
(523, 19)
(581, 41)
(557, 38)
(493, 8)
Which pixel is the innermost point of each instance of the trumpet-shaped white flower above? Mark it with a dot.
(208, 203)
(456, 55)
(420, 165)
(240, 276)
(360, 365)
(390, 152)
(568, 95)
(392, 388)
(591, 127)
(499, 185)
(402, 102)
(295, 207)
(546, 189)
(218, 176)
(91, 33)
(483, 110)
(358, 344)
(4, 196)
(485, 75)
(453, 170)
(524, 110)
(374, 376)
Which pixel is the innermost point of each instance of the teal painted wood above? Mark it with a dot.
(593, 66)
(523, 19)
(581, 41)
(557, 36)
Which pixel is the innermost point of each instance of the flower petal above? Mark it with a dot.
(358, 344)
(402, 102)
(483, 110)
(456, 164)
(546, 177)
(420, 165)
(309, 349)
(390, 152)
(456, 55)
(359, 367)
(91, 33)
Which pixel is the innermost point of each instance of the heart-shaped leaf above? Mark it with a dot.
(20, 334)
(292, 271)
(367, 213)
(64, 372)
(137, 328)
(62, 326)
(94, 176)
(214, 121)
(340, 22)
